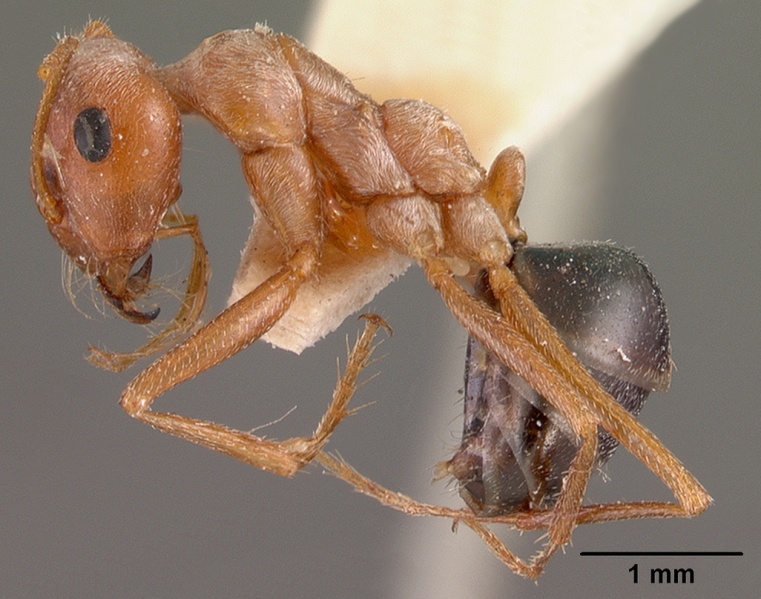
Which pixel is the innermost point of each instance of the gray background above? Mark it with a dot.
(93, 504)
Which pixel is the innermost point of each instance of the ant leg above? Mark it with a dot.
(592, 514)
(228, 333)
(499, 335)
(559, 526)
(518, 309)
(578, 397)
(563, 518)
(565, 513)
(411, 507)
(525, 520)
(283, 181)
(174, 224)
(536, 354)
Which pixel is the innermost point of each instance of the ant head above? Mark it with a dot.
(105, 159)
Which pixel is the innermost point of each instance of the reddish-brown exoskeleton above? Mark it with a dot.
(346, 193)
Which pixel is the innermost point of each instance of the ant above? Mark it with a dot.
(346, 194)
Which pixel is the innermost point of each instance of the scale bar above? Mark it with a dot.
(661, 553)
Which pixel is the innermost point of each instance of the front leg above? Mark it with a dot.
(232, 330)
(229, 332)
(282, 181)
(174, 223)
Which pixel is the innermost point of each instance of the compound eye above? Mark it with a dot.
(92, 134)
